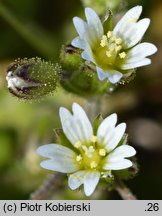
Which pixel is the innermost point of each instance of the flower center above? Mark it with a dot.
(113, 45)
(90, 155)
(109, 51)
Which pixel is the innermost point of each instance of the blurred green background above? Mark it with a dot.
(32, 28)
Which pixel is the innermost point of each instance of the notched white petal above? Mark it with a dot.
(82, 123)
(68, 125)
(117, 165)
(94, 21)
(64, 114)
(78, 42)
(132, 65)
(80, 26)
(75, 180)
(52, 150)
(116, 135)
(105, 128)
(86, 54)
(101, 74)
(140, 51)
(130, 17)
(62, 165)
(91, 180)
(140, 30)
(115, 76)
(62, 159)
(123, 151)
(112, 76)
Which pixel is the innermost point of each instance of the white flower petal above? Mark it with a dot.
(82, 44)
(140, 29)
(62, 159)
(89, 32)
(86, 54)
(118, 165)
(52, 150)
(68, 125)
(123, 151)
(81, 26)
(139, 52)
(94, 22)
(78, 42)
(72, 130)
(115, 76)
(82, 123)
(114, 136)
(130, 17)
(116, 159)
(101, 74)
(129, 29)
(76, 127)
(91, 180)
(132, 65)
(75, 180)
(106, 125)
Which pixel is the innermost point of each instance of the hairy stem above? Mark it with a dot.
(124, 191)
(93, 107)
(52, 184)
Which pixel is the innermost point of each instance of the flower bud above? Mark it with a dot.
(32, 78)
(78, 76)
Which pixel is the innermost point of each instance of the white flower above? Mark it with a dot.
(116, 52)
(92, 156)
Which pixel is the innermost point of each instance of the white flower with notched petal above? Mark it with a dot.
(115, 52)
(92, 155)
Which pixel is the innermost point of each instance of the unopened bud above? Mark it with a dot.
(32, 78)
(78, 76)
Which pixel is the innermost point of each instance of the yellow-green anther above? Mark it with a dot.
(93, 164)
(103, 42)
(79, 158)
(102, 152)
(118, 41)
(78, 144)
(109, 34)
(122, 55)
(108, 54)
(94, 139)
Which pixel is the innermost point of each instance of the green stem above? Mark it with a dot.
(41, 45)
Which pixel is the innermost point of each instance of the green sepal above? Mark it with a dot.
(70, 58)
(129, 173)
(61, 139)
(124, 140)
(107, 21)
(108, 183)
(97, 121)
